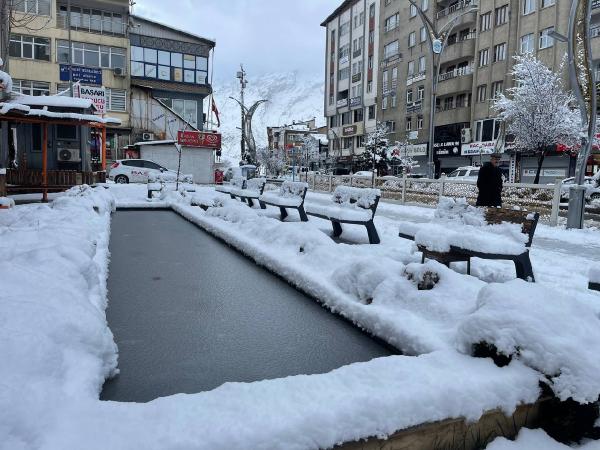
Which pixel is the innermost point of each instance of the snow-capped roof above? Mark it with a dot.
(6, 107)
(57, 101)
(321, 137)
(170, 27)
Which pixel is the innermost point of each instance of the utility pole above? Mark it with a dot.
(241, 75)
(70, 48)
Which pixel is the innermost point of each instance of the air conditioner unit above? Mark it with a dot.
(119, 72)
(148, 136)
(69, 155)
(465, 136)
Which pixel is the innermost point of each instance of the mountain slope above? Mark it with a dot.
(290, 96)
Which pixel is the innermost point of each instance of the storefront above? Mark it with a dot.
(447, 149)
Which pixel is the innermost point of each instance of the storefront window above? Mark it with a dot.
(168, 66)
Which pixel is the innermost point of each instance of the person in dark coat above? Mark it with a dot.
(489, 183)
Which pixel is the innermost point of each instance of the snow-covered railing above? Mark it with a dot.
(541, 198)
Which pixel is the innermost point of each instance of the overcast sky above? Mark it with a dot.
(266, 35)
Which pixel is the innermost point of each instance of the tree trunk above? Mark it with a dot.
(541, 156)
(5, 24)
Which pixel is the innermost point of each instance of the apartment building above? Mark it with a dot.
(169, 79)
(291, 138)
(475, 67)
(42, 62)
(351, 85)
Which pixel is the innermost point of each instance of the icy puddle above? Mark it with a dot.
(189, 314)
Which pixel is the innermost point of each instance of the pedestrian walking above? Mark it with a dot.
(489, 183)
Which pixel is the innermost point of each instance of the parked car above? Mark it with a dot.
(468, 173)
(364, 174)
(125, 171)
(247, 171)
(592, 191)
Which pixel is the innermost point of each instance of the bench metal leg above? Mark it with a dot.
(523, 267)
(262, 205)
(337, 228)
(372, 232)
(303, 216)
(283, 213)
(232, 196)
(250, 202)
(469, 266)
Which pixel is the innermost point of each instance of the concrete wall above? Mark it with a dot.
(196, 161)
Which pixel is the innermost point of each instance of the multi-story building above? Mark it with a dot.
(475, 66)
(351, 86)
(169, 75)
(42, 62)
(290, 138)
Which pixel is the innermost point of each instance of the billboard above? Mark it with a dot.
(199, 139)
(96, 94)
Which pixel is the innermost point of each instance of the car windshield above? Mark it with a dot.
(462, 173)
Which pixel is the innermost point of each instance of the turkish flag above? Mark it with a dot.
(216, 111)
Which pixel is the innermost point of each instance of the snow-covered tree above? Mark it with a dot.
(310, 150)
(273, 161)
(538, 111)
(400, 156)
(376, 148)
(5, 83)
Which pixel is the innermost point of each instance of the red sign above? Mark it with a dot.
(199, 139)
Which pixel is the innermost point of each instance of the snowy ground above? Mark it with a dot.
(57, 348)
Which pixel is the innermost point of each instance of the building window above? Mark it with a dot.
(384, 103)
(358, 115)
(424, 5)
(371, 112)
(27, 87)
(497, 88)
(29, 47)
(481, 93)
(527, 43)
(419, 122)
(391, 49)
(92, 20)
(448, 103)
(369, 87)
(394, 101)
(409, 96)
(487, 130)
(187, 109)
(500, 52)
(546, 3)
(92, 55)
(343, 53)
(408, 124)
(392, 22)
(411, 68)
(501, 15)
(372, 10)
(331, 99)
(370, 62)
(545, 40)
(420, 93)
(485, 21)
(422, 64)
(413, 11)
(344, 29)
(484, 57)
(412, 39)
(168, 66)
(344, 74)
(36, 7)
(391, 126)
(463, 100)
(116, 100)
(423, 34)
(527, 6)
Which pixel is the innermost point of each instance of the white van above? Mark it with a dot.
(468, 173)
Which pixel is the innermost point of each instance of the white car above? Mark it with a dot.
(364, 173)
(468, 173)
(125, 171)
(592, 191)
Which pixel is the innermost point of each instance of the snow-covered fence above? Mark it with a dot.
(541, 198)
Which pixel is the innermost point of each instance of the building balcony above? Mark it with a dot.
(595, 31)
(342, 103)
(414, 107)
(449, 13)
(416, 78)
(459, 50)
(456, 81)
(453, 115)
(595, 6)
(460, 72)
(103, 24)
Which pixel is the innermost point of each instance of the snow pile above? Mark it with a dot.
(293, 188)
(5, 81)
(363, 197)
(556, 334)
(290, 193)
(459, 210)
(594, 274)
(6, 202)
(536, 440)
(54, 340)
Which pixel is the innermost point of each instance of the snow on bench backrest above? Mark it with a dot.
(256, 184)
(362, 197)
(292, 189)
(238, 182)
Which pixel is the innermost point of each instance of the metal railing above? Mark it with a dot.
(454, 8)
(108, 27)
(460, 72)
(541, 198)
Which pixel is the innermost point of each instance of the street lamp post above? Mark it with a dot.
(437, 43)
(583, 85)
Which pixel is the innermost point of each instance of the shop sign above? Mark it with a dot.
(344, 159)
(478, 148)
(199, 139)
(96, 94)
(349, 130)
(554, 173)
(87, 75)
(409, 150)
(447, 148)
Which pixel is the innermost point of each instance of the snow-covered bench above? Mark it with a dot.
(235, 183)
(251, 191)
(353, 206)
(503, 234)
(291, 195)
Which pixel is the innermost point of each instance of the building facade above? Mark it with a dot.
(290, 138)
(351, 85)
(42, 62)
(475, 67)
(169, 75)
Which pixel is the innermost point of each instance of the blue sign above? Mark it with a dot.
(87, 75)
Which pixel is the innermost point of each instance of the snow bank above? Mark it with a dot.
(54, 340)
(536, 440)
(558, 335)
